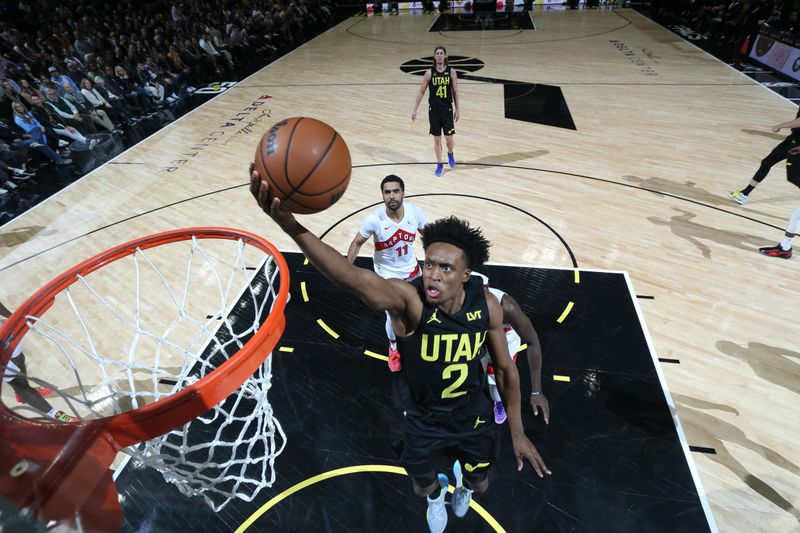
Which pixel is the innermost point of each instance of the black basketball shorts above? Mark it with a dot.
(441, 119)
(426, 447)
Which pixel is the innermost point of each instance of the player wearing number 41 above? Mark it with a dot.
(443, 105)
(393, 227)
(442, 321)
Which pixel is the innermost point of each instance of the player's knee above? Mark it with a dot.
(423, 491)
(481, 487)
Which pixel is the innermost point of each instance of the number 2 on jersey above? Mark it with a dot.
(463, 372)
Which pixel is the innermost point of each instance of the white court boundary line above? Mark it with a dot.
(701, 493)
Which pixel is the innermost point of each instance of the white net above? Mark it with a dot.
(146, 326)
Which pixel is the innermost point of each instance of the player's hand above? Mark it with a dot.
(795, 150)
(776, 128)
(268, 203)
(524, 448)
(456, 114)
(539, 402)
(413, 116)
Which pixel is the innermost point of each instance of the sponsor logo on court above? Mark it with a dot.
(641, 58)
(243, 122)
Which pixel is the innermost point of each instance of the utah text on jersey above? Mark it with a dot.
(451, 347)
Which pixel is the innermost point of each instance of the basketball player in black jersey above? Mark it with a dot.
(442, 321)
(443, 106)
(785, 150)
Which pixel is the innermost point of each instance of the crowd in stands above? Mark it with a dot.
(75, 69)
(728, 24)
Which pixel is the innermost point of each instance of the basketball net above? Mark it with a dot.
(143, 328)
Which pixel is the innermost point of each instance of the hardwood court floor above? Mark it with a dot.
(662, 130)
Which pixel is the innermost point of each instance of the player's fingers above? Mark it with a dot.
(546, 413)
(519, 463)
(538, 464)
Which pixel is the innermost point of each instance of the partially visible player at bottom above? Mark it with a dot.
(518, 328)
(442, 321)
(784, 248)
(15, 375)
(393, 227)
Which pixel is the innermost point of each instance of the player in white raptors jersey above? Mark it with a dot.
(394, 228)
(518, 327)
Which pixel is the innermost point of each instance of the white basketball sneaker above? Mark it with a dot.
(461, 495)
(437, 512)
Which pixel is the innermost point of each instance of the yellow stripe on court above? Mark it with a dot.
(303, 290)
(577, 276)
(561, 378)
(285, 349)
(327, 328)
(375, 355)
(478, 508)
(565, 313)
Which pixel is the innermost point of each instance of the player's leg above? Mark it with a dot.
(784, 248)
(778, 154)
(475, 456)
(449, 129)
(435, 119)
(395, 363)
(437, 151)
(15, 375)
(419, 457)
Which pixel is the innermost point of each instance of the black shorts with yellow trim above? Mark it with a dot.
(441, 119)
(427, 443)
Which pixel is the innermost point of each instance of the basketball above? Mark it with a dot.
(305, 162)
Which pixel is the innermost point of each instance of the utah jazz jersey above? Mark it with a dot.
(439, 88)
(441, 360)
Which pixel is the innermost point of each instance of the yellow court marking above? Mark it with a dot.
(303, 290)
(565, 313)
(327, 328)
(561, 378)
(577, 276)
(305, 261)
(478, 508)
(522, 348)
(375, 355)
(285, 349)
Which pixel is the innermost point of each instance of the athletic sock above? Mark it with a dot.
(786, 243)
(747, 190)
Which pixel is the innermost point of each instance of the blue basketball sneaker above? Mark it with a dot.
(451, 160)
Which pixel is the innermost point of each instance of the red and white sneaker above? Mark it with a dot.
(395, 364)
(64, 418)
(776, 251)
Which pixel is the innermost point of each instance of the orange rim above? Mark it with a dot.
(166, 414)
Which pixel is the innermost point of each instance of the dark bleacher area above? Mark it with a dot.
(116, 72)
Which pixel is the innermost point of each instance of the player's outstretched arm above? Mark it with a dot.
(378, 293)
(505, 371)
(513, 314)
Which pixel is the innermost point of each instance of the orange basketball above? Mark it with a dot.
(305, 162)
